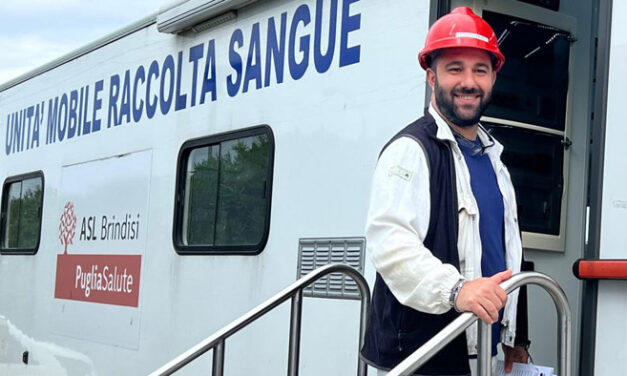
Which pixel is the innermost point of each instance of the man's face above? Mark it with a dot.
(462, 84)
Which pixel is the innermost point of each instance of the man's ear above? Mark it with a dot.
(493, 77)
(431, 78)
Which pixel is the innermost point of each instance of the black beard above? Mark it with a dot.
(449, 111)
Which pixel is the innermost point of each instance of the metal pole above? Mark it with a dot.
(435, 344)
(563, 333)
(217, 369)
(295, 324)
(362, 367)
(564, 347)
(484, 356)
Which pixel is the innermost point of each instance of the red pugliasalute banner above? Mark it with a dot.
(107, 279)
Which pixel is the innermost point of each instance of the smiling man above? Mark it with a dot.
(462, 86)
(442, 229)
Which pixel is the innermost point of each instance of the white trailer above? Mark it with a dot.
(165, 179)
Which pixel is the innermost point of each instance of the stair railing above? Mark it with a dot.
(466, 319)
(295, 291)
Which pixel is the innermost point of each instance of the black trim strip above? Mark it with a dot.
(587, 342)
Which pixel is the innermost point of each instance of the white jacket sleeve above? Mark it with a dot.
(398, 220)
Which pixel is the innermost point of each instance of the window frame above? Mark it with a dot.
(180, 194)
(3, 215)
(536, 240)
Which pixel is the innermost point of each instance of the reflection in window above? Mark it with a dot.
(536, 173)
(200, 208)
(242, 198)
(533, 83)
(226, 193)
(21, 214)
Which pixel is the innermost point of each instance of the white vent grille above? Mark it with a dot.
(315, 253)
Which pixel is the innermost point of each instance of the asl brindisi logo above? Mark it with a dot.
(105, 278)
(67, 226)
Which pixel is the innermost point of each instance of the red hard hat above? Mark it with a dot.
(461, 28)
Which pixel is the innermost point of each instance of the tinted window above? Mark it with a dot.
(201, 195)
(21, 213)
(535, 161)
(532, 86)
(224, 193)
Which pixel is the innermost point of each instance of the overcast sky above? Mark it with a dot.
(34, 32)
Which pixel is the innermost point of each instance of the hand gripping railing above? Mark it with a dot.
(455, 328)
(294, 291)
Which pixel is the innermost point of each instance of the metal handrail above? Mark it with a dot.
(295, 291)
(455, 328)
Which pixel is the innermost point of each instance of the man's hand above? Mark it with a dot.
(484, 297)
(516, 354)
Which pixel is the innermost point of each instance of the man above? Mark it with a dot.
(442, 227)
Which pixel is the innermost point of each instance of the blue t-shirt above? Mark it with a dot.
(491, 210)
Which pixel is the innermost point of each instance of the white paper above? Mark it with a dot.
(520, 369)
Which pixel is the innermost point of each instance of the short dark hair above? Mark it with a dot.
(432, 57)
